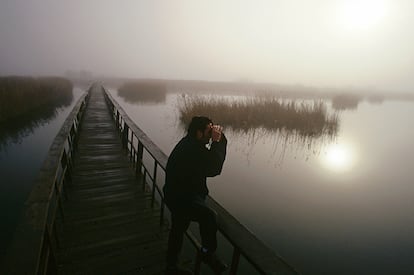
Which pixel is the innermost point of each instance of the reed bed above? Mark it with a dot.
(306, 118)
(22, 95)
(346, 101)
(144, 91)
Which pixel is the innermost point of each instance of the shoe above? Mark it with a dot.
(177, 271)
(213, 261)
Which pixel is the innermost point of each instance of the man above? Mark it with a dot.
(185, 190)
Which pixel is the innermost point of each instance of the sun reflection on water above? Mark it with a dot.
(339, 157)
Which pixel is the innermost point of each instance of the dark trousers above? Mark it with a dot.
(182, 213)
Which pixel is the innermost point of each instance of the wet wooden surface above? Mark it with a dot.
(109, 226)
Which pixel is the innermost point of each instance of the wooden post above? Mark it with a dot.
(154, 183)
(140, 153)
(59, 201)
(125, 136)
(144, 179)
(235, 261)
(197, 265)
(132, 145)
(50, 260)
(117, 120)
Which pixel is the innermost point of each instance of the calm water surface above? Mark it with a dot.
(21, 155)
(335, 206)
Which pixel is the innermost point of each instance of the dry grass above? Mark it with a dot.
(304, 118)
(144, 91)
(21, 95)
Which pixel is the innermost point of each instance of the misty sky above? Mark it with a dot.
(336, 43)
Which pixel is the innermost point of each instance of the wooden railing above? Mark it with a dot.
(33, 248)
(243, 242)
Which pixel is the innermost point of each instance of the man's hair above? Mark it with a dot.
(198, 123)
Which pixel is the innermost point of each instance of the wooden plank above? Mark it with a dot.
(144, 259)
(109, 226)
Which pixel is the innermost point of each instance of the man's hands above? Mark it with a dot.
(216, 131)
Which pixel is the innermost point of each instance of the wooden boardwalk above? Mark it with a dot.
(88, 214)
(109, 226)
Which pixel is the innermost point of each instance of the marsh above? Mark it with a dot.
(314, 199)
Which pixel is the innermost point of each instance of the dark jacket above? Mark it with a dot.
(189, 164)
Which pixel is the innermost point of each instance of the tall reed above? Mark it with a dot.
(306, 118)
(20, 95)
(145, 91)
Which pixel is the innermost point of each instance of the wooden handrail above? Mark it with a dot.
(34, 243)
(244, 242)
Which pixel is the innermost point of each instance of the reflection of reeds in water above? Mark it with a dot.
(306, 119)
(27, 103)
(17, 129)
(143, 91)
(278, 144)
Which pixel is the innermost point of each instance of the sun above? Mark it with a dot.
(362, 14)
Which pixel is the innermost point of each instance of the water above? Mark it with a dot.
(335, 206)
(22, 152)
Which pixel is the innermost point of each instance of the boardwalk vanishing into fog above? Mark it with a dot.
(97, 205)
(110, 226)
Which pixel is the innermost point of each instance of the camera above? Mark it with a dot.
(216, 132)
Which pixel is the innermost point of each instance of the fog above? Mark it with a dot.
(327, 43)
